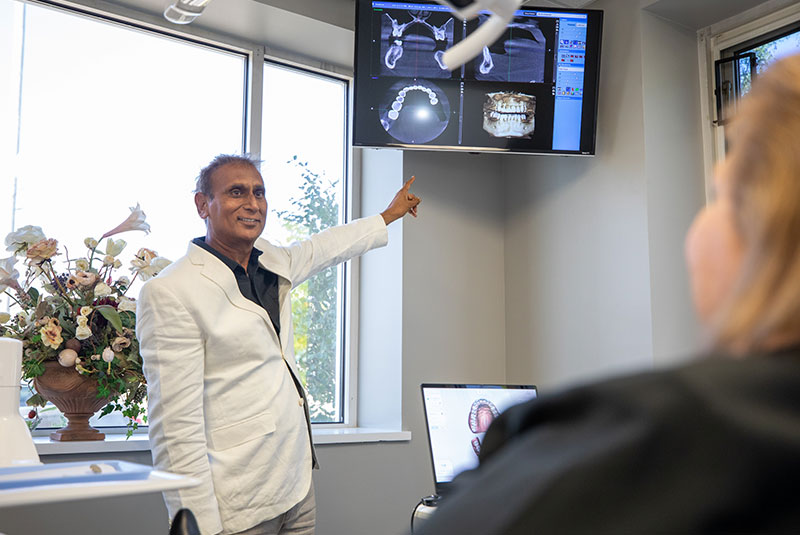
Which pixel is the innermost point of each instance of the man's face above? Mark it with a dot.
(236, 211)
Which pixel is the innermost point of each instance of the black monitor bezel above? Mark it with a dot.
(588, 143)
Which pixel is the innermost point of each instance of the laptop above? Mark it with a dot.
(457, 417)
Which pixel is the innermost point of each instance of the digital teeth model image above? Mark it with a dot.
(415, 111)
(509, 114)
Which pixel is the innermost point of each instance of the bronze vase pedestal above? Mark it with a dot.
(73, 394)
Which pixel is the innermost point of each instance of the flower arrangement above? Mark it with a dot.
(79, 316)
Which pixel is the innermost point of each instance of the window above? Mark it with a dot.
(87, 131)
(767, 32)
(304, 147)
(768, 49)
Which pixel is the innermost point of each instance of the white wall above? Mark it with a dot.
(452, 328)
(577, 265)
(674, 175)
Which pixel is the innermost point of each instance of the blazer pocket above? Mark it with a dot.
(228, 436)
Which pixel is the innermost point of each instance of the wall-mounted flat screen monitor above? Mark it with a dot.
(532, 91)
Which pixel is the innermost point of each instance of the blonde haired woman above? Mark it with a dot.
(710, 447)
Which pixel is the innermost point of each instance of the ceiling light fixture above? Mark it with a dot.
(185, 11)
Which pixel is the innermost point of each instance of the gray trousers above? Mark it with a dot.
(299, 520)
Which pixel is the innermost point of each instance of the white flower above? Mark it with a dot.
(23, 237)
(126, 305)
(108, 260)
(83, 332)
(124, 281)
(8, 275)
(108, 354)
(85, 311)
(135, 221)
(24, 318)
(155, 267)
(90, 243)
(82, 264)
(142, 259)
(115, 247)
(117, 264)
(4, 317)
(102, 289)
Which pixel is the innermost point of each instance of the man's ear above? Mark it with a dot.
(201, 202)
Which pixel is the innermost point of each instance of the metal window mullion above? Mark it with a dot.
(255, 103)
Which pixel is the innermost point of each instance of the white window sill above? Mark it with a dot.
(115, 443)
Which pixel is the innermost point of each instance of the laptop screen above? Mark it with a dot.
(457, 417)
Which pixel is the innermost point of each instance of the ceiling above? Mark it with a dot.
(696, 14)
(340, 13)
(693, 14)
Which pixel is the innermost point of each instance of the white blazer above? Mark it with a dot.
(223, 406)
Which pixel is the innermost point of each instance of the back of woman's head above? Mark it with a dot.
(763, 174)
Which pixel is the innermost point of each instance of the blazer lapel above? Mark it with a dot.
(221, 275)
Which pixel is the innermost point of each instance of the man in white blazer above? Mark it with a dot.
(225, 402)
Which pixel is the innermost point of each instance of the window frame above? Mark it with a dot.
(349, 322)
(759, 24)
(256, 56)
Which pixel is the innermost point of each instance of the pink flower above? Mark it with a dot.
(85, 278)
(135, 221)
(42, 250)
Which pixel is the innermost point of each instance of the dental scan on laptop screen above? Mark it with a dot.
(457, 417)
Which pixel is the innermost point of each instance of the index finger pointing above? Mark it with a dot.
(409, 182)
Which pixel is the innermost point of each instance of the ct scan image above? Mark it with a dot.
(414, 111)
(520, 55)
(412, 43)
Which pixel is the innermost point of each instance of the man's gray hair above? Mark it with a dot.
(203, 180)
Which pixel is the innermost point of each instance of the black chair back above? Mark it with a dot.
(184, 523)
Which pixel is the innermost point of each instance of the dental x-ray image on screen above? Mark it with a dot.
(413, 43)
(533, 90)
(518, 56)
(415, 111)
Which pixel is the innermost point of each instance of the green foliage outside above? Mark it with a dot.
(315, 303)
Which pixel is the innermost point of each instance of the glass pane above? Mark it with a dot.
(97, 117)
(767, 53)
(303, 148)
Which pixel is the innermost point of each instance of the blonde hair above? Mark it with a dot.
(764, 180)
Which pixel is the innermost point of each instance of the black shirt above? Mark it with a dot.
(257, 284)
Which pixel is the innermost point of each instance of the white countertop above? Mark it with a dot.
(36, 493)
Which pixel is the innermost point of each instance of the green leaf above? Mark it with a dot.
(34, 293)
(36, 400)
(110, 313)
